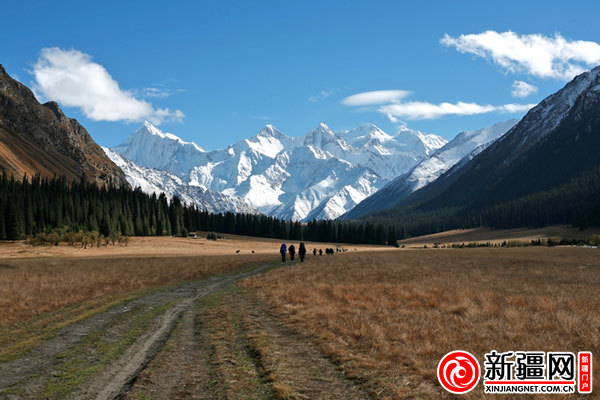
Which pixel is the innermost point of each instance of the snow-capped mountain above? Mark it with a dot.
(556, 142)
(319, 175)
(155, 181)
(465, 145)
(150, 147)
(389, 155)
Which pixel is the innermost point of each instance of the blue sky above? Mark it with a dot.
(215, 72)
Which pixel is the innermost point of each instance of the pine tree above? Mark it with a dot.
(14, 225)
(2, 223)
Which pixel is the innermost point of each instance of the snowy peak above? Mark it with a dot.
(153, 148)
(317, 134)
(318, 175)
(271, 131)
(428, 170)
(428, 142)
(324, 138)
(364, 135)
(269, 141)
(148, 129)
(154, 181)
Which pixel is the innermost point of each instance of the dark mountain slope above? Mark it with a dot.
(528, 160)
(39, 138)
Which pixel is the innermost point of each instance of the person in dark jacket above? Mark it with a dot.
(314, 251)
(320, 252)
(302, 251)
(283, 250)
(292, 251)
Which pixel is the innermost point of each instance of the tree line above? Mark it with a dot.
(40, 205)
(575, 202)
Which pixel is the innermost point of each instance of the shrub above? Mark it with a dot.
(211, 236)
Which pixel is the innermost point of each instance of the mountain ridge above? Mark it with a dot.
(284, 176)
(452, 153)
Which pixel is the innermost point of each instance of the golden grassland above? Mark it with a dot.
(163, 246)
(43, 288)
(31, 287)
(40, 296)
(388, 318)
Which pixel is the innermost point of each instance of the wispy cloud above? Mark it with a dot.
(534, 54)
(71, 78)
(523, 89)
(390, 103)
(375, 97)
(321, 95)
(156, 92)
(423, 110)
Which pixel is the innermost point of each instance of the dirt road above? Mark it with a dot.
(106, 356)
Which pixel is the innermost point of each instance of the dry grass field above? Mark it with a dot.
(388, 318)
(40, 296)
(162, 246)
(499, 235)
(37, 287)
(370, 323)
(43, 288)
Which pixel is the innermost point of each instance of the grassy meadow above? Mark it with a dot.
(388, 318)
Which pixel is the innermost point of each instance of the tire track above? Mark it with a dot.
(113, 380)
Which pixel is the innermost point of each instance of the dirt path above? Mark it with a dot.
(202, 340)
(42, 372)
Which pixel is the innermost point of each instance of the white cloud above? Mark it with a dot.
(523, 89)
(321, 95)
(375, 97)
(423, 110)
(535, 54)
(71, 78)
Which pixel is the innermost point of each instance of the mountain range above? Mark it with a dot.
(496, 173)
(544, 170)
(464, 146)
(320, 175)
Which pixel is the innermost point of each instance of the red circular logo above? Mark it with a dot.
(458, 372)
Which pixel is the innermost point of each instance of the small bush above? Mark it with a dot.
(211, 236)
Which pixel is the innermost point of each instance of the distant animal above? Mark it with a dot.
(237, 251)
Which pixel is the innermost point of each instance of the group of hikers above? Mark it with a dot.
(301, 251)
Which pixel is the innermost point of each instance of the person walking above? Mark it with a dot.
(320, 252)
(283, 250)
(292, 251)
(314, 251)
(302, 251)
